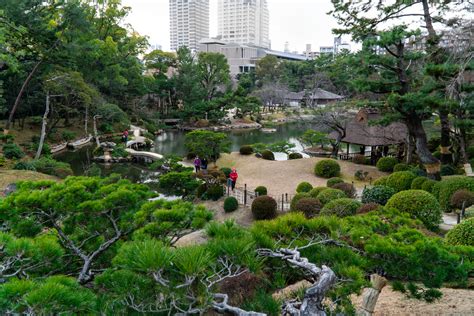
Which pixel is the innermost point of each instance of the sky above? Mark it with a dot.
(298, 22)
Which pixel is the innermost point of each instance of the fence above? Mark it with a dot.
(245, 197)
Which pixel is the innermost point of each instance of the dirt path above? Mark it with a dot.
(282, 177)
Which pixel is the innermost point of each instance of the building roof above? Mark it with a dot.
(284, 55)
(318, 94)
(360, 132)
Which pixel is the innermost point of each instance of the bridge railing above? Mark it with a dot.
(245, 196)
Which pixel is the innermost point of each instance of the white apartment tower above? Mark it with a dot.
(244, 22)
(189, 23)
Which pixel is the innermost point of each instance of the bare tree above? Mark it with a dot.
(272, 94)
(334, 119)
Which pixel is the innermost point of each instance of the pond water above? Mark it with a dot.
(172, 142)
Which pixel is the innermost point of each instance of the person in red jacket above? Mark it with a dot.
(233, 176)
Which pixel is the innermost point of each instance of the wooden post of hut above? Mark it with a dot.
(371, 295)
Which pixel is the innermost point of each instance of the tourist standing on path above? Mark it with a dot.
(197, 163)
(204, 165)
(233, 176)
(125, 136)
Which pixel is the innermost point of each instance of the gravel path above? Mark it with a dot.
(282, 177)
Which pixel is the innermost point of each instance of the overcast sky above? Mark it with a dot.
(299, 22)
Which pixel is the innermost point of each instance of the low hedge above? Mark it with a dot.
(428, 185)
(462, 234)
(443, 190)
(381, 181)
(386, 164)
(400, 180)
(201, 189)
(460, 198)
(230, 204)
(332, 181)
(447, 170)
(246, 150)
(264, 207)
(296, 198)
(261, 190)
(294, 156)
(12, 151)
(315, 191)
(379, 194)
(304, 187)
(401, 167)
(420, 204)
(327, 168)
(309, 206)
(330, 194)
(417, 183)
(46, 165)
(347, 188)
(214, 192)
(267, 155)
(341, 207)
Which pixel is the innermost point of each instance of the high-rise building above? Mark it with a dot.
(245, 22)
(189, 23)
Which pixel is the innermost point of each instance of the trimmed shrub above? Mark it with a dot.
(24, 165)
(226, 171)
(246, 150)
(304, 187)
(369, 207)
(264, 207)
(294, 156)
(296, 198)
(381, 181)
(309, 206)
(420, 204)
(267, 155)
(379, 194)
(12, 151)
(215, 192)
(386, 164)
(330, 194)
(418, 171)
(201, 190)
(327, 168)
(401, 167)
(261, 190)
(417, 183)
(341, 207)
(230, 204)
(347, 188)
(361, 175)
(401, 180)
(315, 191)
(335, 180)
(447, 170)
(47, 166)
(461, 197)
(462, 234)
(359, 159)
(443, 190)
(428, 185)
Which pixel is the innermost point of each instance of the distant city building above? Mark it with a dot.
(326, 50)
(155, 47)
(189, 23)
(287, 47)
(245, 22)
(337, 48)
(309, 54)
(243, 58)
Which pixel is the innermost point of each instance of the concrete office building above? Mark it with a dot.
(245, 22)
(189, 23)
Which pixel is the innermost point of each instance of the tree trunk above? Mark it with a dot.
(43, 128)
(409, 147)
(96, 135)
(20, 94)
(371, 295)
(431, 164)
(446, 155)
(86, 119)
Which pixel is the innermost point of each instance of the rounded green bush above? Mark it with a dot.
(420, 204)
(381, 181)
(462, 234)
(215, 192)
(386, 164)
(261, 190)
(401, 167)
(327, 168)
(246, 150)
(400, 180)
(304, 187)
(462, 198)
(330, 194)
(341, 207)
(447, 170)
(428, 185)
(309, 206)
(226, 171)
(201, 189)
(268, 155)
(418, 183)
(335, 180)
(230, 204)
(379, 194)
(264, 207)
(294, 156)
(315, 191)
(347, 188)
(444, 189)
(296, 198)
(12, 151)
